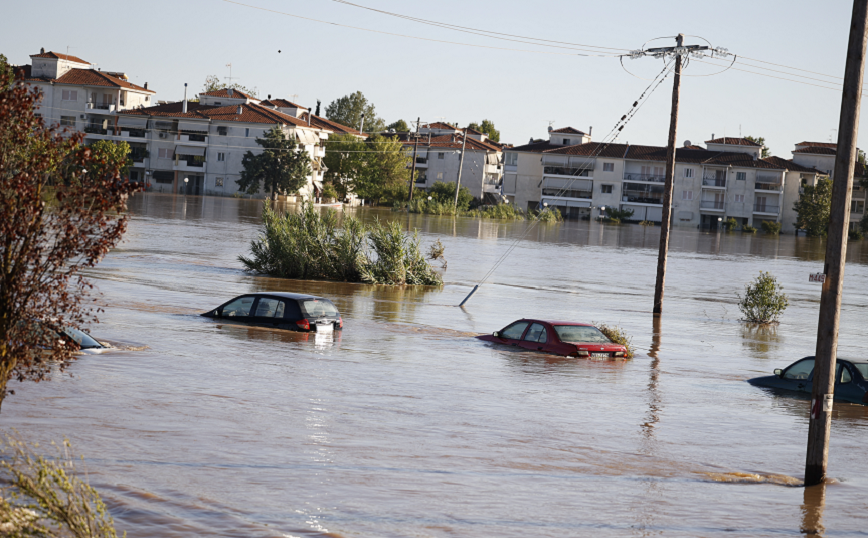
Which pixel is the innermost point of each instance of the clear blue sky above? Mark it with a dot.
(169, 43)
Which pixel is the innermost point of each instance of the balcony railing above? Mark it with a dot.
(760, 178)
(714, 182)
(193, 137)
(564, 193)
(106, 107)
(563, 171)
(95, 130)
(713, 205)
(645, 177)
(767, 187)
(766, 208)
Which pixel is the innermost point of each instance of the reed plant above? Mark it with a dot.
(617, 334)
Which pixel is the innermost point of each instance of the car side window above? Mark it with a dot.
(515, 330)
(238, 308)
(270, 308)
(845, 375)
(800, 370)
(536, 333)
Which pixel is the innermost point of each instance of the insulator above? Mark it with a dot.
(635, 104)
(621, 128)
(623, 117)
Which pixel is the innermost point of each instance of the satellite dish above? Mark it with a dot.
(687, 143)
(550, 128)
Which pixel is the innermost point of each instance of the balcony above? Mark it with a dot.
(714, 182)
(654, 178)
(491, 185)
(101, 108)
(766, 209)
(711, 205)
(568, 172)
(133, 133)
(194, 139)
(767, 187)
(189, 166)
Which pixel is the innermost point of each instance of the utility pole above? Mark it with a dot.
(823, 391)
(460, 168)
(670, 177)
(415, 145)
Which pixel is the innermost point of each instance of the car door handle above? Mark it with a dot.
(539, 348)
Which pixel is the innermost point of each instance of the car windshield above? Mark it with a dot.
(800, 370)
(82, 339)
(581, 333)
(318, 308)
(862, 367)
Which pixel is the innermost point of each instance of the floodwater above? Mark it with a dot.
(404, 425)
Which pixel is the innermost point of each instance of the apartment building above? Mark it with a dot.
(821, 155)
(726, 179)
(83, 99)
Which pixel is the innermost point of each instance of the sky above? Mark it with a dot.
(520, 87)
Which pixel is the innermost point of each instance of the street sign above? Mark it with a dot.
(817, 277)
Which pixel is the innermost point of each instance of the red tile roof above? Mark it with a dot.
(59, 56)
(324, 123)
(446, 141)
(250, 113)
(87, 77)
(817, 150)
(439, 125)
(819, 144)
(568, 130)
(282, 103)
(224, 92)
(536, 147)
(729, 141)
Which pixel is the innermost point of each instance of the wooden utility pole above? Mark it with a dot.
(415, 145)
(670, 177)
(460, 168)
(836, 251)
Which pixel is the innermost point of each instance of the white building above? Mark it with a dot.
(821, 155)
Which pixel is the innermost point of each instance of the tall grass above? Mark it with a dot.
(308, 244)
(499, 211)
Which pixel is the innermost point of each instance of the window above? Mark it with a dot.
(269, 308)
(69, 95)
(740, 176)
(515, 330)
(238, 308)
(608, 167)
(688, 172)
(845, 376)
(246, 132)
(319, 308)
(439, 175)
(218, 182)
(800, 370)
(222, 131)
(221, 157)
(739, 198)
(606, 189)
(441, 155)
(566, 141)
(536, 333)
(581, 333)
(510, 159)
(165, 153)
(68, 121)
(147, 98)
(687, 195)
(857, 206)
(164, 176)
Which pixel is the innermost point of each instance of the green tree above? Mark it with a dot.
(444, 193)
(382, 172)
(399, 126)
(764, 300)
(487, 127)
(343, 161)
(814, 207)
(281, 167)
(6, 74)
(762, 142)
(109, 156)
(348, 111)
(213, 83)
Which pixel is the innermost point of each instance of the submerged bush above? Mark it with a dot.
(309, 244)
(647, 223)
(857, 234)
(730, 224)
(549, 214)
(771, 227)
(617, 215)
(748, 229)
(617, 334)
(763, 300)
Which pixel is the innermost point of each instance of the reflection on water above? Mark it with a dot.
(812, 510)
(403, 424)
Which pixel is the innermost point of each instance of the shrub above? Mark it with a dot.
(617, 215)
(500, 211)
(729, 224)
(748, 229)
(617, 334)
(771, 227)
(857, 235)
(763, 300)
(435, 252)
(444, 193)
(549, 215)
(613, 220)
(647, 223)
(329, 191)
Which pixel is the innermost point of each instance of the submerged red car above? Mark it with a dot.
(560, 337)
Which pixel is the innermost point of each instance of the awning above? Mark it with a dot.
(307, 138)
(685, 215)
(571, 203)
(582, 162)
(318, 185)
(555, 160)
(193, 126)
(568, 184)
(135, 123)
(493, 158)
(190, 150)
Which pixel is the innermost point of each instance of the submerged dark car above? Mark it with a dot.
(565, 338)
(851, 379)
(291, 311)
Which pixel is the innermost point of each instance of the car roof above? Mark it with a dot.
(285, 295)
(848, 359)
(573, 323)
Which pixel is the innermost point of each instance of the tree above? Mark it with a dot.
(813, 208)
(382, 173)
(213, 83)
(762, 142)
(281, 167)
(343, 160)
(348, 111)
(764, 300)
(399, 126)
(487, 127)
(62, 208)
(111, 156)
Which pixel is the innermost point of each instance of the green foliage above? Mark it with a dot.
(618, 215)
(771, 227)
(348, 111)
(500, 211)
(860, 156)
(213, 83)
(308, 244)
(399, 126)
(46, 498)
(487, 127)
(863, 224)
(857, 235)
(444, 193)
(729, 224)
(344, 159)
(329, 191)
(617, 334)
(374, 170)
(436, 251)
(813, 208)
(748, 229)
(548, 214)
(613, 220)
(6, 74)
(763, 300)
(282, 167)
(110, 156)
(647, 223)
(762, 142)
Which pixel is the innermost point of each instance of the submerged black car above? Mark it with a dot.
(851, 379)
(292, 311)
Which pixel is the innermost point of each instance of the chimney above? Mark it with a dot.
(239, 109)
(712, 136)
(229, 92)
(184, 109)
(42, 50)
(590, 130)
(269, 97)
(146, 85)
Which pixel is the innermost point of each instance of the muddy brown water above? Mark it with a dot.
(404, 425)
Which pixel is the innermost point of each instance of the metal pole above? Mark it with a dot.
(460, 168)
(415, 145)
(836, 251)
(670, 176)
(362, 126)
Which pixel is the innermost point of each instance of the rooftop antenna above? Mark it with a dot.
(294, 97)
(832, 137)
(230, 78)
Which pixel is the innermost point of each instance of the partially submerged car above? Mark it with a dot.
(84, 342)
(560, 337)
(290, 311)
(851, 379)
